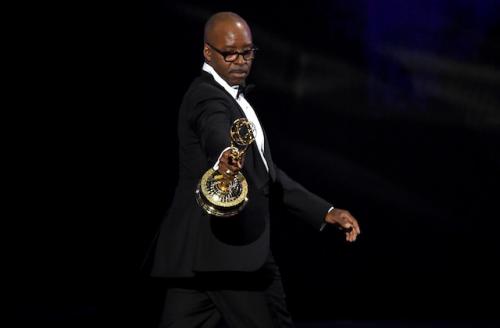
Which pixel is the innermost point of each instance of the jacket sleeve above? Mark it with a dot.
(300, 201)
(211, 121)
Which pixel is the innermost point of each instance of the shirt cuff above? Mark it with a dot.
(216, 165)
(325, 223)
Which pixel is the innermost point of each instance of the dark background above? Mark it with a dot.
(389, 109)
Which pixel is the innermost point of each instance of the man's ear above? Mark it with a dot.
(207, 53)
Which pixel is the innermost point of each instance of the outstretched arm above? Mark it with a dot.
(300, 201)
(211, 121)
(313, 208)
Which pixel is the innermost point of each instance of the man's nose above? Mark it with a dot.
(240, 60)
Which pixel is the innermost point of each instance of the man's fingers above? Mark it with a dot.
(353, 222)
(351, 232)
(347, 226)
(225, 165)
(354, 235)
(346, 222)
(231, 160)
(351, 235)
(351, 226)
(233, 168)
(225, 169)
(355, 226)
(234, 163)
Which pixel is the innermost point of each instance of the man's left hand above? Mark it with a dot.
(345, 221)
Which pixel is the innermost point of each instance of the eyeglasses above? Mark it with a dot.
(231, 56)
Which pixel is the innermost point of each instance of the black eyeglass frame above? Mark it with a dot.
(247, 54)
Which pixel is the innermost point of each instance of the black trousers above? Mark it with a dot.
(228, 299)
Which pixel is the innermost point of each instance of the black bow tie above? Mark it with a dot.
(244, 89)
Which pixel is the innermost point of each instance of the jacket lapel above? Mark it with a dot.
(258, 173)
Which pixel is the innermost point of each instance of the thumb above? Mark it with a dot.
(346, 226)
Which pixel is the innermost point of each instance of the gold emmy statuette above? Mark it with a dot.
(224, 195)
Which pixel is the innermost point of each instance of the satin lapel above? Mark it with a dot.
(209, 78)
(267, 151)
(267, 156)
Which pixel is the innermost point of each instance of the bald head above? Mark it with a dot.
(224, 22)
(228, 33)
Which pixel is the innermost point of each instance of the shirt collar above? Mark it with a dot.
(233, 90)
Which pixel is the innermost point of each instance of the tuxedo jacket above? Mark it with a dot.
(190, 240)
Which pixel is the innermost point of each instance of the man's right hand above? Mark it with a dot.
(228, 165)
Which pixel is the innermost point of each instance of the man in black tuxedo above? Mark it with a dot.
(222, 268)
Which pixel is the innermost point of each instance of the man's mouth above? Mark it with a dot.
(238, 72)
